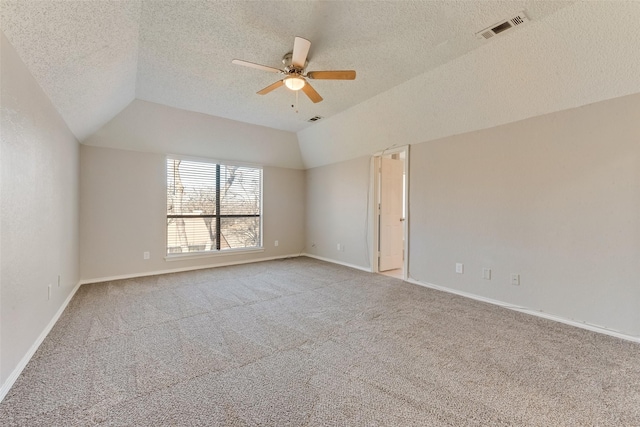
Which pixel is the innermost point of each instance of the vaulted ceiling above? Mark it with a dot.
(93, 58)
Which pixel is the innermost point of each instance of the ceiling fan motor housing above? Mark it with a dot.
(289, 67)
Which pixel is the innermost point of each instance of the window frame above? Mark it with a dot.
(212, 253)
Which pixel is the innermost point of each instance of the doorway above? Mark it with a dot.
(390, 202)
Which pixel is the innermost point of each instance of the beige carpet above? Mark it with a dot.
(305, 343)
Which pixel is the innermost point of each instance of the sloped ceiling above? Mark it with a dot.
(84, 55)
(93, 58)
(582, 54)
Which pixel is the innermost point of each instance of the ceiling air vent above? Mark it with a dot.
(501, 26)
(314, 119)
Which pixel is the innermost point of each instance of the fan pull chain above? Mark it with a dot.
(296, 104)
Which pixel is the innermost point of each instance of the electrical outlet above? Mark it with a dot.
(515, 279)
(486, 273)
(48, 291)
(339, 247)
(147, 255)
(275, 243)
(459, 267)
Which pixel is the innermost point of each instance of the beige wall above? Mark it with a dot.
(337, 211)
(149, 127)
(123, 214)
(554, 198)
(39, 211)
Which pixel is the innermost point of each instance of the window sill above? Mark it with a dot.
(195, 255)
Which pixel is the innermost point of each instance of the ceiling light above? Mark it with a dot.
(294, 82)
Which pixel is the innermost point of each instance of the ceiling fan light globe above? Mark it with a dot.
(294, 83)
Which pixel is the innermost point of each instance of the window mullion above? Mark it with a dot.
(218, 221)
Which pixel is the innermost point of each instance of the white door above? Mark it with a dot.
(391, 220)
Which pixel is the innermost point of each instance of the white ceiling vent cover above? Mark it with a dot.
(501, 26)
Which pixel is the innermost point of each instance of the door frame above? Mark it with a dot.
(374, 211)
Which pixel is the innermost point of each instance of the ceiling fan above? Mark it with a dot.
(295, 64)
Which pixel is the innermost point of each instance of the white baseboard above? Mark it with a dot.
(178, 270)
(357, 267)
(34, 347)
(526, 310)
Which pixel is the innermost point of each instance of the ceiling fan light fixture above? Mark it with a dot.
(294, 82)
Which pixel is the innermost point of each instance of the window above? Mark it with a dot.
(212, 207)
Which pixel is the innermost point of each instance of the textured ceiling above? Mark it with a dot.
(93, 58)
(83, 55)
(585, 53)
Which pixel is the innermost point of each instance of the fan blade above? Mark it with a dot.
(311, 93)
(332, 75)
(300, 51)
(271, 87)
(253, 65)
